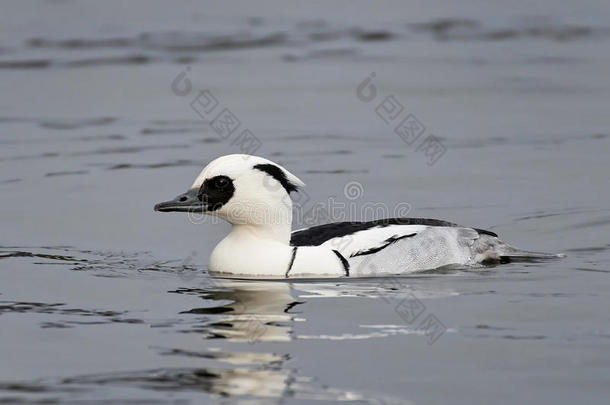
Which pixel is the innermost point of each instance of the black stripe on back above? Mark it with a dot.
(317, 235)
(386, 243)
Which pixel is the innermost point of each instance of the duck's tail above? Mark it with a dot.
(490, 249)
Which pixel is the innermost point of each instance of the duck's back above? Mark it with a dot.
(396, 245)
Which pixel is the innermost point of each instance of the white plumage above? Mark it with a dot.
(253, 194)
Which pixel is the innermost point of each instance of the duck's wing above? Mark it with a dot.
(404, 245)
(353, 239)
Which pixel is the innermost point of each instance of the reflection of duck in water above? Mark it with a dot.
(256, 311)
(252, 312)
(253, 194)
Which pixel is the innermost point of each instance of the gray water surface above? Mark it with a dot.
(103, 300)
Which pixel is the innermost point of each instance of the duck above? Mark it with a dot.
(253, 194)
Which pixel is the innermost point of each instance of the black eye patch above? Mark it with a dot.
(216, 192)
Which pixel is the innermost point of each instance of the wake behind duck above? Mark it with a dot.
(253, 194)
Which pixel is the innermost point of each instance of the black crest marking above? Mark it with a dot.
(385, 244)
(317, 235)
(279, 175)
(216, 192)
(344, 262)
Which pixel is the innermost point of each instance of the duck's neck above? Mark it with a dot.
(275, 232)
(268, 225)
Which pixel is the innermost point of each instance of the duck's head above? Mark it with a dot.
(241, 189)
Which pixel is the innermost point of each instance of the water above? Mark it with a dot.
(104, 300)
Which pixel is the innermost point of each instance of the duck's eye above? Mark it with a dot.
(221, 182)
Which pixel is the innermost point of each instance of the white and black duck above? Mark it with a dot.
(252, 193)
